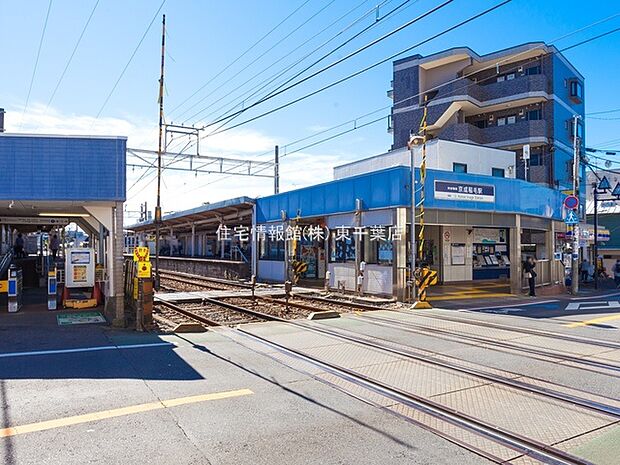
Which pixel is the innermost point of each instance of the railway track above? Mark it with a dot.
(473, 340)
(513, 441)
(201, 282)
(425, 407)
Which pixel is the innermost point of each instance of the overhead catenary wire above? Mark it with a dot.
(271, 31)
(488, 67)
(412, 97)
(75, 47)
(218, 130)
(36, 62)
(341, 60)
(307, 21)
(133, 54)
(376, 22)
(251, 92)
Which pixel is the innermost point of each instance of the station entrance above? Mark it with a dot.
(58, 258)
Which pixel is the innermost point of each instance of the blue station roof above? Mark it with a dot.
(62, 168)
(391, 188)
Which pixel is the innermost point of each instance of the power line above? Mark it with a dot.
(414, 96)
(77, 44)
(241, 56)
(357, 73)
(284, 71)
(342, 133)
(603, 112)
(557, 39)
(128, 63)
(592, 38)
(346, 57)
(331, 52)
(261, 56)
(36, 62)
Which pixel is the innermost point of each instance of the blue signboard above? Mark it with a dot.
(571, 218)
(448, 190)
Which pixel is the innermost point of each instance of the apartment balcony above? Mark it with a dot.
(496, 136)
(466, 89)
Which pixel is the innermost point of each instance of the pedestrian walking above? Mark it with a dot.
(617, 273)
(530, 274)
(54, 246)
(18, 248)
(584, 269)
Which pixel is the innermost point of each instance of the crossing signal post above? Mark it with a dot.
(420, 277)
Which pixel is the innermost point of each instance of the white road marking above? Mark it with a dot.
(593, 305)
(85, 349)
(511, 305)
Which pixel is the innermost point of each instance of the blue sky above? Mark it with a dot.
(205, 36)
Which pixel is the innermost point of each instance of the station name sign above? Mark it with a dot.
(448, 190)
(37, 220)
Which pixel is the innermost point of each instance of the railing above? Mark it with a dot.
(496, 90)
(495, 134)
(5, 262)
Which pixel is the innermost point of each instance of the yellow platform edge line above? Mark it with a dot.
(593, 321)
(119, 412)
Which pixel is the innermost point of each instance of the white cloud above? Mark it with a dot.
(182, 190)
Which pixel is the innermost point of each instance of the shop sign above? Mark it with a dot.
(466, 191)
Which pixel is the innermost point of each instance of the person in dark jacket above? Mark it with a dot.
(530, 274)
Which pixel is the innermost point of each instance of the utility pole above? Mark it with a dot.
(576, 229)
(276, 171)
(159, 152)
(595, 236)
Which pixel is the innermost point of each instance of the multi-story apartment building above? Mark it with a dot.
(507, 99)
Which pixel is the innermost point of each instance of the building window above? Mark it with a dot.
(482, 123)
(459, 167)
(571, 124)
(501, 121)
(498, 172)
(534, 115)
(510, 76)
(270, 249)
(532, 70)
(501, 78)
(512, 119)
(342, 246)
(535, 159)
(576, 90)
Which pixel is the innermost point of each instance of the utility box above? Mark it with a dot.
(80, 268)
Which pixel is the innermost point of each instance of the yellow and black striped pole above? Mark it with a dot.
(420, 298)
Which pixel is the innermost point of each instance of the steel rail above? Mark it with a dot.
(515, 441)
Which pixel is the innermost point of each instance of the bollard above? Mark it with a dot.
(328, 276)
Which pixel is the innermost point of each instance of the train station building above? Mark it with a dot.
(479, 226)
(48, 183)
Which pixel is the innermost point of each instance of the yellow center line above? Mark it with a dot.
(593, 321)
(118, 412)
